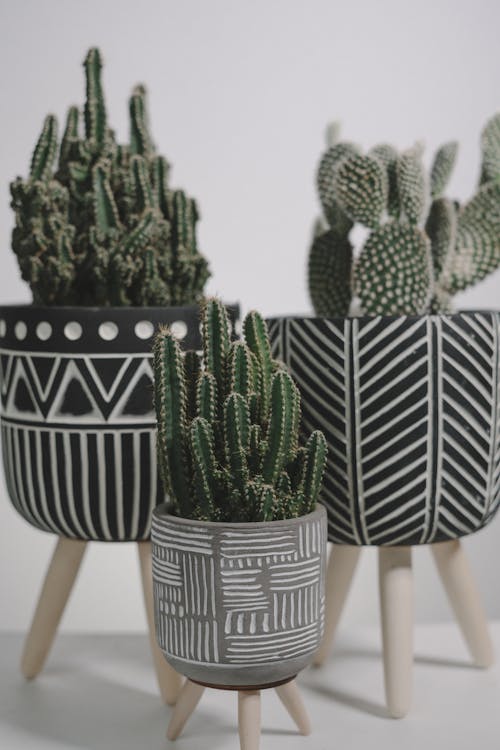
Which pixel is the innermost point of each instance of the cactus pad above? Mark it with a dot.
(361, 188)
(392, 276)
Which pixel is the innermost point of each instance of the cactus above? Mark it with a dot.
(421, 248)
(102, 227)
(228, 427)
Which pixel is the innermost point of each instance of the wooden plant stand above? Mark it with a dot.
(57, 586)
(248, 710)
(396, 605)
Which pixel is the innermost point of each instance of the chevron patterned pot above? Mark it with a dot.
(410, 408)
(78, 426)
(239, 604)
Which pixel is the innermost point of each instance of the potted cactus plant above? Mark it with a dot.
(405, 390)
(110, 252)
(238, 552)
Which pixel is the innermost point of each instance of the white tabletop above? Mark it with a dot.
(98, 693)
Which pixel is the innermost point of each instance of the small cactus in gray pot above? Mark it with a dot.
(228, 427)
(420, 248)
(96, 222)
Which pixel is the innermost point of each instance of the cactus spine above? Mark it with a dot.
(102, 227)
(231, 452)
(421, 247)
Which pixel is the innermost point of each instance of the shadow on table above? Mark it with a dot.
(75, 703)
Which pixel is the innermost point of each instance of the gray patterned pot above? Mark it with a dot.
(410, 408)
(78, 425)
(239, 604)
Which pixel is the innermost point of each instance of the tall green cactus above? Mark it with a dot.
(421, 247)
(102, 227)
(228, 427)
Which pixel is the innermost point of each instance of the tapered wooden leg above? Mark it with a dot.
(59, 580)
(169, 681)
(188, 699)
(249, 719)
(464, 597)
(341, 567)
(396, 604)
(291, 698)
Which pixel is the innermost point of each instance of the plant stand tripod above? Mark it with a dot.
(58, 584)
(396, 605)
(248, 710)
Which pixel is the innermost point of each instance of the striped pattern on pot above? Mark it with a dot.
(77, 417)
(241, 596)
(410, 409)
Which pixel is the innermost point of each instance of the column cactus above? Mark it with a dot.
(421, 247)
(102, 227)
(231, 452)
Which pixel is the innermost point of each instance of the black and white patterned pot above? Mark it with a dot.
(78, 426)
(239, 604)
(410, 408)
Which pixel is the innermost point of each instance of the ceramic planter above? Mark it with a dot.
(410, 409)
(78, 426)
(239, 604)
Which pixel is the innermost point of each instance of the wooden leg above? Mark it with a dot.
(59, 580)
(341, 566)
(188, 699)
(396, 604)
(169, 681)
(291, 698)
(249, 719)
(458, 580)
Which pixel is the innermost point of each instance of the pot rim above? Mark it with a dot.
(103, 308)
(161, 512)
(389, 318)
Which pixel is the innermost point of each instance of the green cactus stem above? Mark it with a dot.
(105, 228)
(95, 110)
(225, 452)
(170, 401)
(45, 151)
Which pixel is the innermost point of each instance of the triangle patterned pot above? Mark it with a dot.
(77, 418)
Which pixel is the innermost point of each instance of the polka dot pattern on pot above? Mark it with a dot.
(179, 329)
(144, 329)
(108, 330)
(20, 330)
(44, 330)
(73, 330)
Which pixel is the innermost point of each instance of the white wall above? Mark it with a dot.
(240, 93)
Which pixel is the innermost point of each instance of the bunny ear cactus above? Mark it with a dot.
(420, 247)
(104, 228)
(231, 451)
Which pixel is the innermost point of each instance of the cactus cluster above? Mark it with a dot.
(228, 427)
(102, 227)
(420, 247)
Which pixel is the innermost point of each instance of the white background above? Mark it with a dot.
(240, 93)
